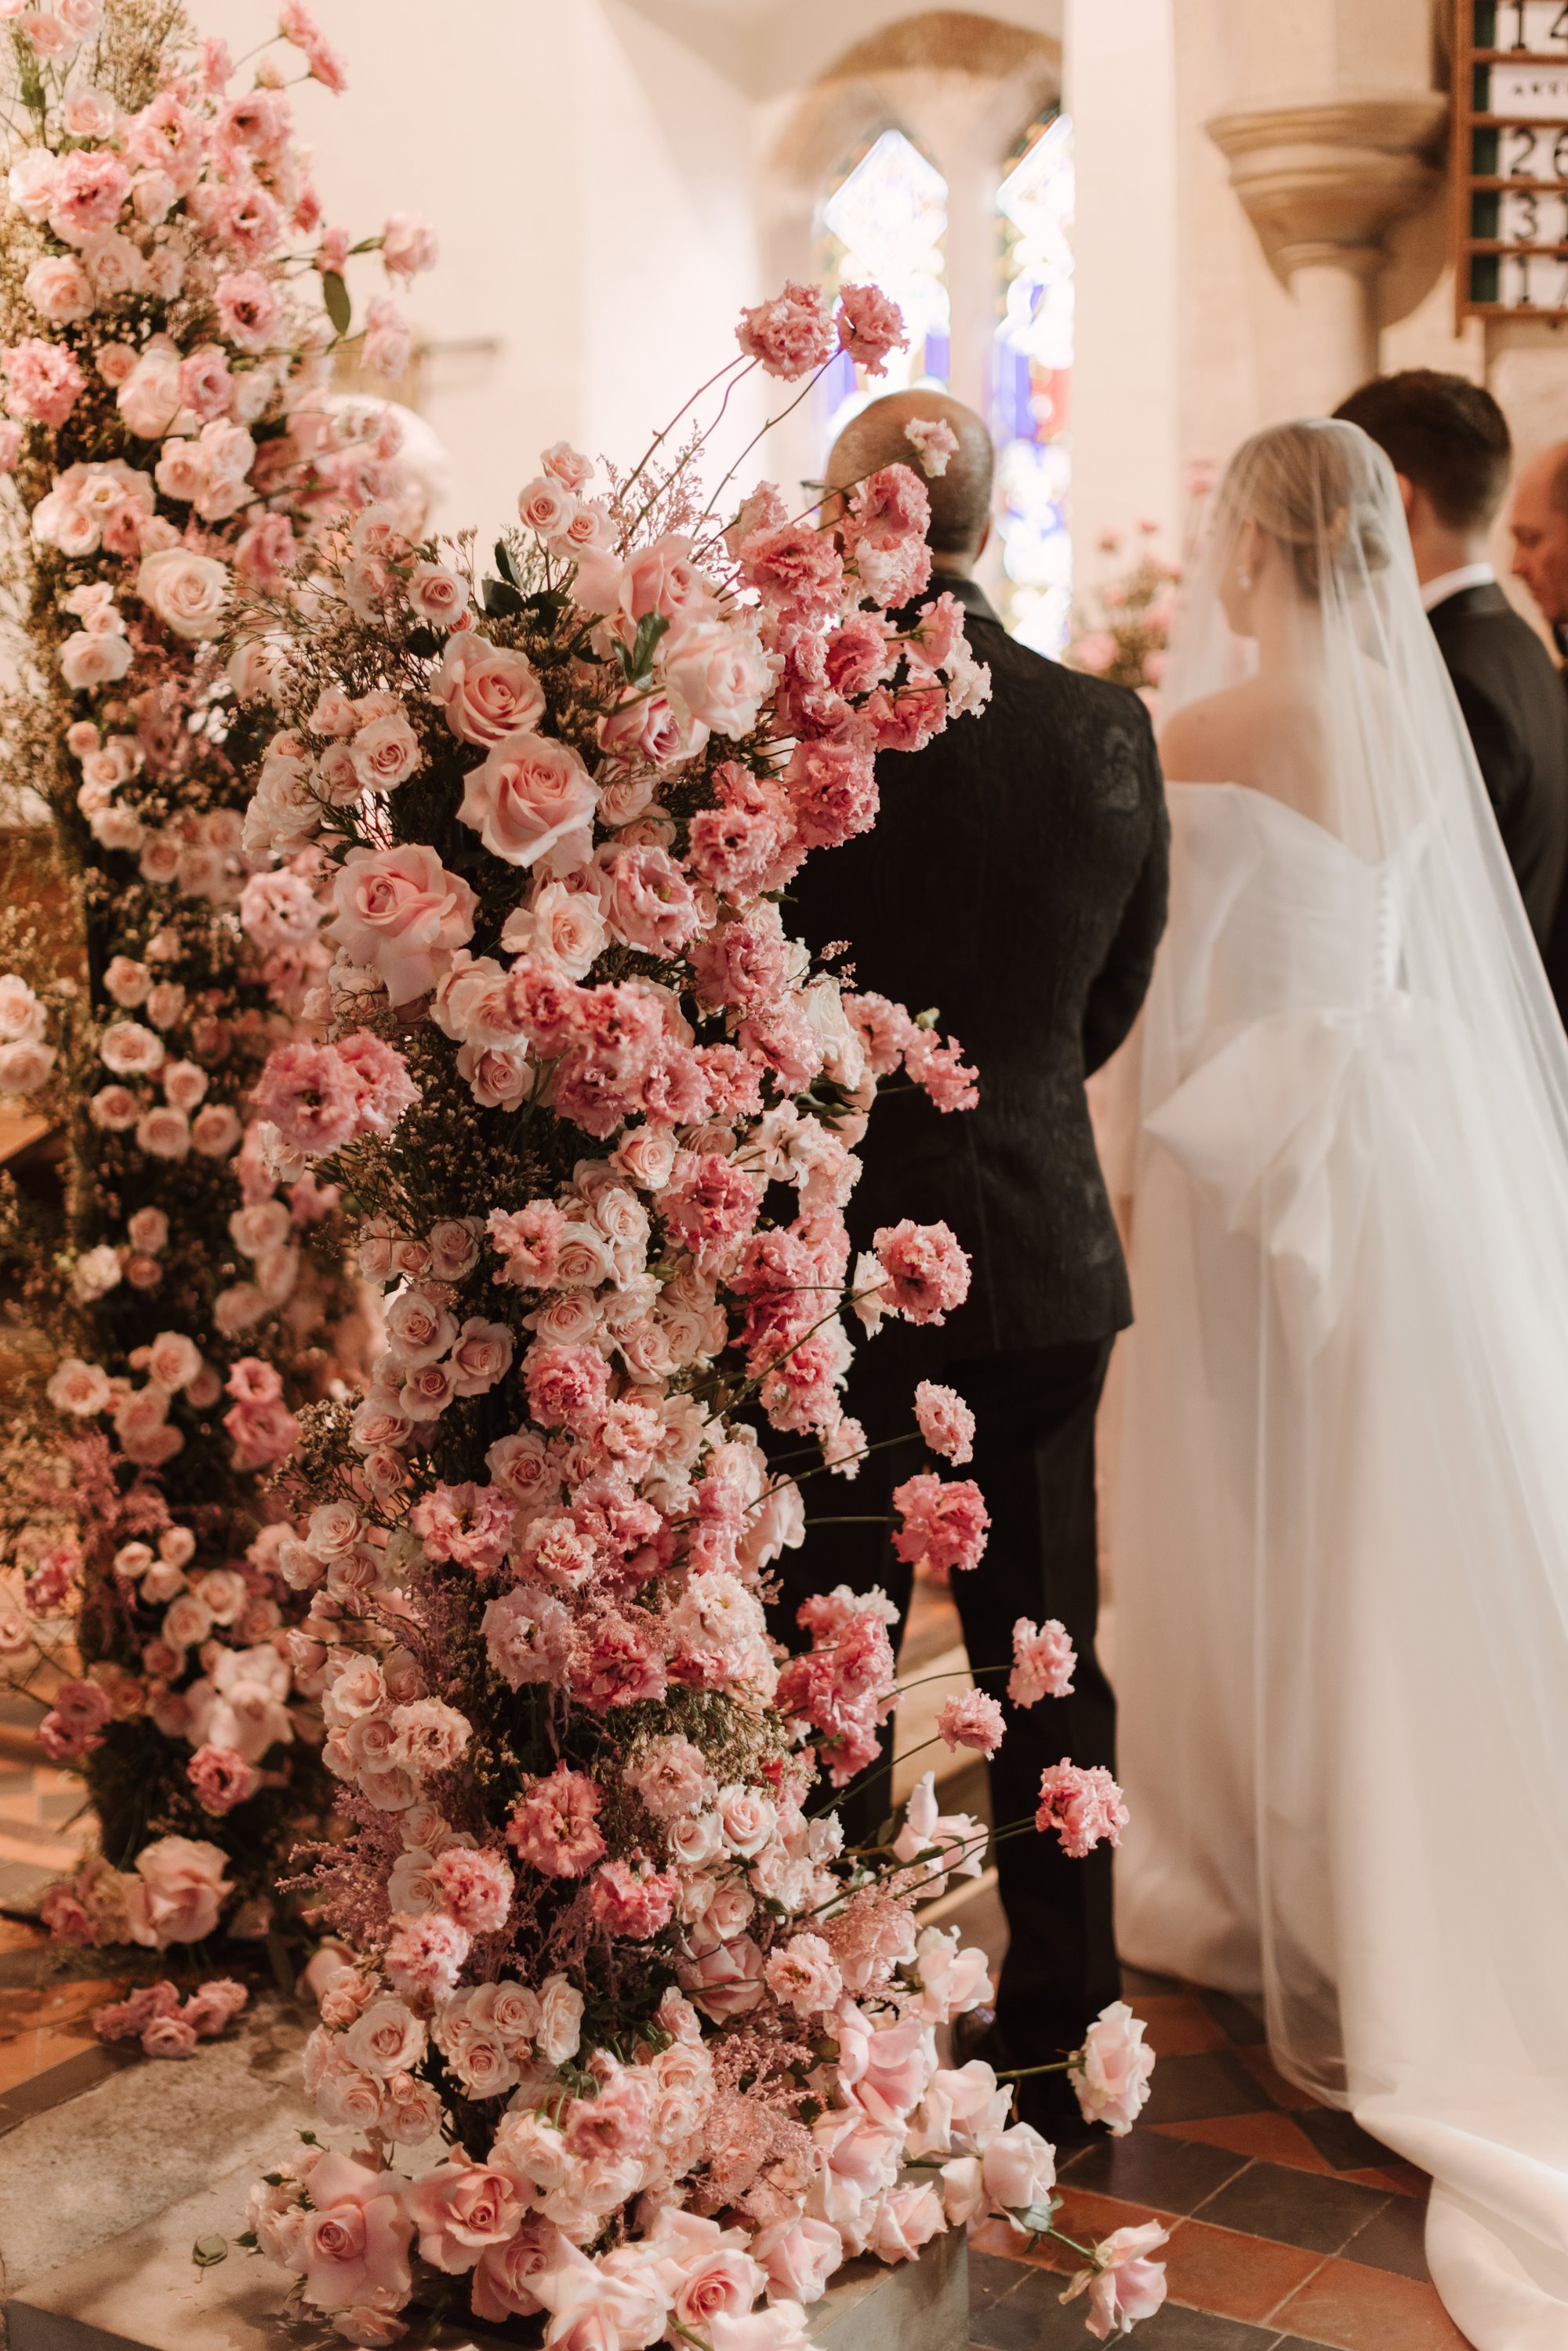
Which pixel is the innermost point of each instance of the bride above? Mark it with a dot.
(1340, 1533)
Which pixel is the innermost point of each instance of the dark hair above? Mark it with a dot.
(1444, 433)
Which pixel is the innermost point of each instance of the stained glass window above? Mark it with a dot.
(1031, 373)
(885, 223)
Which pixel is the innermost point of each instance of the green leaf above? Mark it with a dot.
(208, 2251)
(506, 564)
(423, 642)
(501, 597)
(928, 1018)
(650, 629)
(335, 294)
(1037, 2218)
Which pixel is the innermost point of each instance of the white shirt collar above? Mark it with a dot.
(1449, 583)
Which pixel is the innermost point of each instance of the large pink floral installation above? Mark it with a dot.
(624, 2034)
(171, 301)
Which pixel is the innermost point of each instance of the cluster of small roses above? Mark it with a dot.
(166, 2026)
(169, 435)
(679, 2040)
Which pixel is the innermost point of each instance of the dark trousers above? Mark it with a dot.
(1034, 1462)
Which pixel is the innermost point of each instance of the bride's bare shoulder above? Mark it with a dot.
(1204, 742)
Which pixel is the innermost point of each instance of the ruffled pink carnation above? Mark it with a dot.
(528, 1241)
(567, 1387)
(474, 1888)
(1044, 1661)
(972, 1718)
(1082, 1805)
(709, 1204)
(468, 1524)
(424, 1956)
(833, 791)
(927, 1271)
(870, 325)
(790, 335)
(631, 1900)
(554, 1825)
(946, 1523)
(946, 1422)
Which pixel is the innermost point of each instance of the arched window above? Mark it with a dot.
(1031, 371)
(886, 222)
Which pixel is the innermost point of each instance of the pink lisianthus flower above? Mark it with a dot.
(972, 1718)
(1044, 1661)
(380, 1074)
(946, 1523)
(941, 1072)
(1111, 2072)
(870, 325)
(554, 1825)
(927, 1272)
(43, 381)
(946, 1422)
(1124, 2285)
(311, 1095)
(789, 334)
(1084, 1805)
(934, 442)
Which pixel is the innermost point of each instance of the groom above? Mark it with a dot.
(1016, 881)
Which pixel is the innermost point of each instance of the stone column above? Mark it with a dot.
(1323, 181)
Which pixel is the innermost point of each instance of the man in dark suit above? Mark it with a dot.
(1449, 443)
(1016, 880)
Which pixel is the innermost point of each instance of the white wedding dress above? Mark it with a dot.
(1340, 1524)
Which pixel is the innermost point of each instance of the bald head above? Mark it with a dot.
(1538, 519)
(960, 498)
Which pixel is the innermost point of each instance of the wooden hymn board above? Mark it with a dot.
(1510, 159)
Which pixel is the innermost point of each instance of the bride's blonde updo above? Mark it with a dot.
(1316, 490)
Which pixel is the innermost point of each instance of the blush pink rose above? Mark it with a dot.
(352, 2247)
(183, 1884)
(460, 2209)
(488, 692)
(531, 798)
(402, 913)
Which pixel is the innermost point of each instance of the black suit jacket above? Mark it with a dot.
(1016, 879)
(1512, 698)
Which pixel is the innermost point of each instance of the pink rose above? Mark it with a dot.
(169, 2036)
(489, 692)
(1123, 2287)
(59, 288)
(532, 799)
(220, 1779)
(1019, 2168)
(399, 912)
(504, 2277)
(800, 2256)
(720, 672)
(181, 1891)
(460, 2209)
(1110, 2072)
(353, 2243)
(187, 592)
(906, 2218)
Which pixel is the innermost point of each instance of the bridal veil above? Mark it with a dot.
(1340, 1529)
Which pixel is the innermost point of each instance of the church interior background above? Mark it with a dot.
(1130, 232)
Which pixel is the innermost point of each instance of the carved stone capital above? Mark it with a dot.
(1324, 180)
